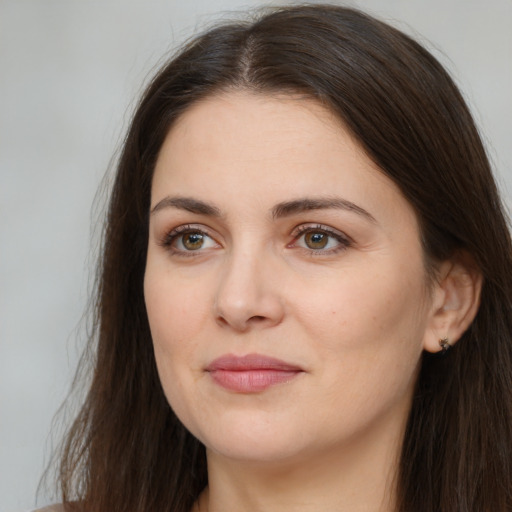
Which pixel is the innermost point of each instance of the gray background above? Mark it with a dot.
(70, 71)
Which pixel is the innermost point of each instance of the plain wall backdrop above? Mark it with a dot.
(70, 71)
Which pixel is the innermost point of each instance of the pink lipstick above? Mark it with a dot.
(251, 373)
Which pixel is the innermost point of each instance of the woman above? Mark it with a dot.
(304, 300)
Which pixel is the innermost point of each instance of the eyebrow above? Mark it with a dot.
(189, 204)
(289, 208)
(284, 209)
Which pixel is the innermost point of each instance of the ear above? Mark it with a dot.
(455, 301)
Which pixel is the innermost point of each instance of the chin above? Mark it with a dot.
(252, 438)
(255, 450)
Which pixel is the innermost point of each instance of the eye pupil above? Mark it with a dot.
(193, 241)
(316, 240)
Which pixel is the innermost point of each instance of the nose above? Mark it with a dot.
(248, 295)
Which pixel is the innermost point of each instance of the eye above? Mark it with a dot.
(192, 241)
(320, 239)
(316, 240)
(187, 239)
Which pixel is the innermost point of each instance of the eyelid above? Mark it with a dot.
(344, 241)
(169, 237)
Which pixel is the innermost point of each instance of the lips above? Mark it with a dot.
(252, 373)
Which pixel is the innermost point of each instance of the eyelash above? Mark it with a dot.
(344, 242)
(172, 236)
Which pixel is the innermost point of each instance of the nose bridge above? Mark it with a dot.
(247, 294)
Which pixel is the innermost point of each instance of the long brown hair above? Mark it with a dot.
(127, 451)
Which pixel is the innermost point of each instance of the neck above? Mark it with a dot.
(356, 478)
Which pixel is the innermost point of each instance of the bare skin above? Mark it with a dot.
(272, 233)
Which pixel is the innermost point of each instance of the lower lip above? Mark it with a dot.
(251, 381)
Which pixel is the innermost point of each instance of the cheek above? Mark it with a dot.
(370, 341)
(370, 325)
(176, 313)
(175, 307)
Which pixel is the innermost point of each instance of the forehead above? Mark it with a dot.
(253, 130)
(240, 149)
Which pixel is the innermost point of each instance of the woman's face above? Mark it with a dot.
(285, 282)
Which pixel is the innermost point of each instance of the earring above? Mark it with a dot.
(445, 345)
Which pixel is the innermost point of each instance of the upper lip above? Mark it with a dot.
(249, 362)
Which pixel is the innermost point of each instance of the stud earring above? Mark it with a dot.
(445, 345)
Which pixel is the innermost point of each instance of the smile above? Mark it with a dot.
(251, 373)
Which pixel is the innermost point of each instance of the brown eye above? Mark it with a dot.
(316, 240)
(188, 240)
(321, 240)
(192, 241)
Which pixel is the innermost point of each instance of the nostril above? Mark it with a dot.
(257, 318)
(222, 320)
